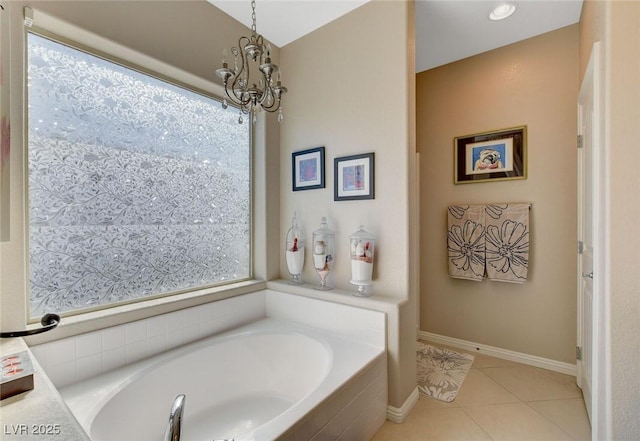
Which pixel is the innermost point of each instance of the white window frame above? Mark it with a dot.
(14, 287)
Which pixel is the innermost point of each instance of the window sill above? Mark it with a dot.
(118, 315)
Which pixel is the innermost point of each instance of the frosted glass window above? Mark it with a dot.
(137, 187)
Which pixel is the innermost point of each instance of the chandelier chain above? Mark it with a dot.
(253, 16)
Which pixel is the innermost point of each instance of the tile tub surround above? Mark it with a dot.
(77, 358)
(355, 412)
(391, 307)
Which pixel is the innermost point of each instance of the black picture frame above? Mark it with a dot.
(307, 169)
(354, 177)
(499, 155)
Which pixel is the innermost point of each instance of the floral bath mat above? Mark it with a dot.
(441, 371)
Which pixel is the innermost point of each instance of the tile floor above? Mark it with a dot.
(499, 400)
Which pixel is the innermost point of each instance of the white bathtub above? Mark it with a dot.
(264, 381)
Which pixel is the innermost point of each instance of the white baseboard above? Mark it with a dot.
(398, 414)
(519, 357)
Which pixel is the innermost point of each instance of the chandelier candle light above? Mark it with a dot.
(238, 86)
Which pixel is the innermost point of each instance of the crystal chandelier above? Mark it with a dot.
(238, 85)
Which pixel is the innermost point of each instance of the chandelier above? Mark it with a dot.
(252, 97)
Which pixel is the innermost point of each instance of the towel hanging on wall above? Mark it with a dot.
(507, 242)
(465, 241)
(491, 240)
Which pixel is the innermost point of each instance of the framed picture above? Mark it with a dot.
(307, 169)
(354, 177)
(491, 156)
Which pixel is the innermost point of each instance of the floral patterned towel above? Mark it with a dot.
(507, 242)
(441, 371)
(465, 241)
(488, 240)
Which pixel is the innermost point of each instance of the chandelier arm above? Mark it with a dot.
(274, 107)
(265, 95)
(276, 100)
(269, 93)
(240, 100)
(271, 110)
(259, 41)
(235, 101)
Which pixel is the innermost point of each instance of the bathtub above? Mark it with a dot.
(268, 380)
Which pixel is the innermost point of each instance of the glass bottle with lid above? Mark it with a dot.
(294, 252)
(362, 246)
(323, 252)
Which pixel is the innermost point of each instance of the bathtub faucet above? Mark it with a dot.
(174, 426)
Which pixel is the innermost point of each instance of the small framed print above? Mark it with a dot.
(307, 169)
(354, 177)
(491, 156)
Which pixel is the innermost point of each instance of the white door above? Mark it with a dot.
(589, 207)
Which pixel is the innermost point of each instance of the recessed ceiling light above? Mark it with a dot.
(503, 11)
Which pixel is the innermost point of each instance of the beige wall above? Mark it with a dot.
(349, 91)
(189, 34)
(532, 83)
(336, 100)
(624, 118)
(616, 25)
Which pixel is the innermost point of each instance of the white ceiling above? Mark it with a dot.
(446, 30)
(283, 21)
(451, 30)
